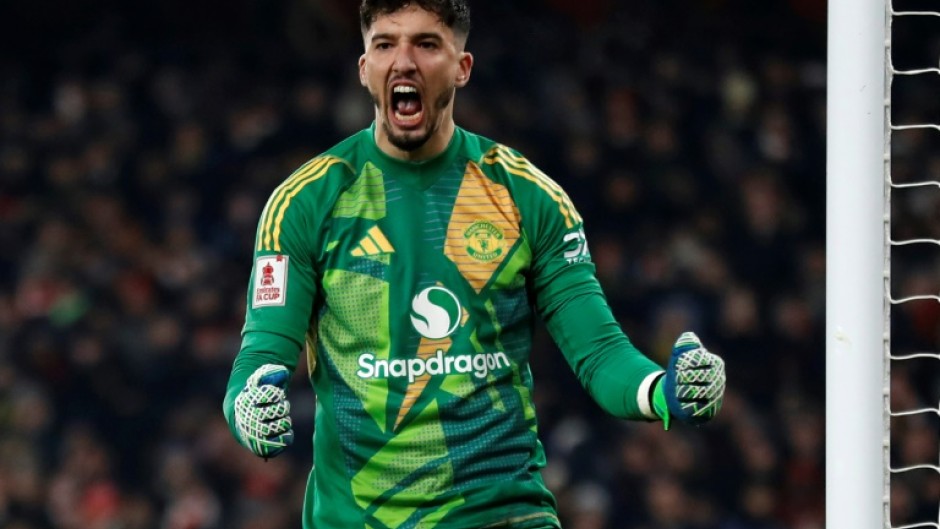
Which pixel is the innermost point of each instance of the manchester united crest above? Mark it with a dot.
(484, 241)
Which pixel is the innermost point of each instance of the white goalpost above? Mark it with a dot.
(856, 310)
(859, 295)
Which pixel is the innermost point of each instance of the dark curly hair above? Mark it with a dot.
(455, 14)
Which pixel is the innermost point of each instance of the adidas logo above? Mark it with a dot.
(374, 243)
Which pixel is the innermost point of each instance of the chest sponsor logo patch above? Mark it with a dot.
(435, 313)
(484, 241)
(270, 285)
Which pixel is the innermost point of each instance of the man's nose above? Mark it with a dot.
(404, 59)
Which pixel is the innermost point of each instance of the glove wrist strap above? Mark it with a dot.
(658, 398)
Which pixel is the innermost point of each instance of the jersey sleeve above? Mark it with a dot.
(283, 282)
(569, 299)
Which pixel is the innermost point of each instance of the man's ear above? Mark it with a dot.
(464, 66)
(362, 70)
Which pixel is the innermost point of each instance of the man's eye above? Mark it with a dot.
(383, 46)
(427, 45)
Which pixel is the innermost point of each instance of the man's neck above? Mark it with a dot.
(435, 145)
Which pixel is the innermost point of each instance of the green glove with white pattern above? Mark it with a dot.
(693, 386)
(261, 412)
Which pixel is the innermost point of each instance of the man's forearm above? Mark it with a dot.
(258, 349)
(614, 372)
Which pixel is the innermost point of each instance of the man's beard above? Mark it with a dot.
(409, 143)
(405, 142)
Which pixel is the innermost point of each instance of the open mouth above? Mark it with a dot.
(407, 109)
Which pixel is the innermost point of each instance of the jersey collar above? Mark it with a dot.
(422, 174)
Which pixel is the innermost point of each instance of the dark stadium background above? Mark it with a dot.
(139, 141)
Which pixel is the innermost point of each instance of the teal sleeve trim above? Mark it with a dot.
(606, 363)
(258, 349)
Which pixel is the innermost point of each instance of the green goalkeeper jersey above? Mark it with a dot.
(414, 286)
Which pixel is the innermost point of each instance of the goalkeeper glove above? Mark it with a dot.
(261, 412)
(693, 386)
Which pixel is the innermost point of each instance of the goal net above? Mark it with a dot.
(912, 268)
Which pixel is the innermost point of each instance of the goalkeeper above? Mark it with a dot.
(409, 262)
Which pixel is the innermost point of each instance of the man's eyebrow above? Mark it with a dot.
(417, 36)
(426, 36)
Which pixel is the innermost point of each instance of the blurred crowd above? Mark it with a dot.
(138, 145)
